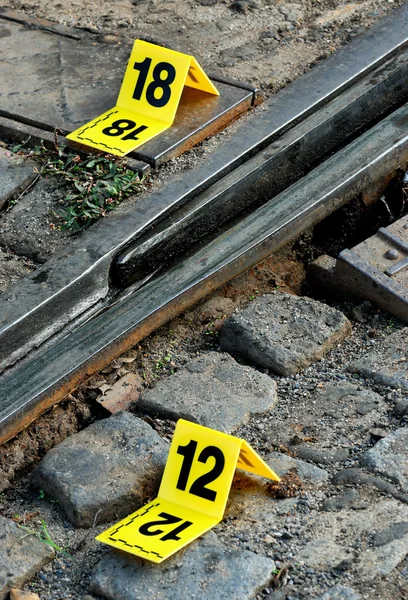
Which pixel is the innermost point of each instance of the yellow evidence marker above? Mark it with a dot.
(147, 101)
(192, 496)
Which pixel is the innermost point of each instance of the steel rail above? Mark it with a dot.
(82, 278)
(46, 378)
(268, 173)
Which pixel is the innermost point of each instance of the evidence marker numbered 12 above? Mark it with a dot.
(147, 101)
(193, 493)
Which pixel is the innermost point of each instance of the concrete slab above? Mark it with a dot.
(12, 268)
(16, 174)
(52, 81)
(22, 229)
(44, 74)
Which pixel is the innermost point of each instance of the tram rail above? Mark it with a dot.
(315, 146)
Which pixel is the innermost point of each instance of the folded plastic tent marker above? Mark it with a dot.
(192, 495)
(148, 99)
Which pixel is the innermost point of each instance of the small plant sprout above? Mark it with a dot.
(95, 185)
(44, 536)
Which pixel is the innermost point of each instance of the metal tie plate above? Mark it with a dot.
(398, 243)
(377, 269)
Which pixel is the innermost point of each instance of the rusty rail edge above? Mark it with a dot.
(30, 312)
(44, 380)
(268, 173)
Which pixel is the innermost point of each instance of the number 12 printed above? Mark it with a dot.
(192, 495)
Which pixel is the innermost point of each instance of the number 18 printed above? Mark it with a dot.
(148, 99)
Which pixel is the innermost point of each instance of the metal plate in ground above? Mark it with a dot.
(377, 269)
(51, 81)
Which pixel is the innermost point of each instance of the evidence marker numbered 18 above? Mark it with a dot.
(147, 101)
(192, 495)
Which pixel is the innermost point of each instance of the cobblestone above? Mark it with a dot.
(21, 555)
(340, 592)
(106, 471)
(284, 333)
(384, 522)
(388, 366)
(207, 571)
(389, 458)
(212, 390)
(282, 463)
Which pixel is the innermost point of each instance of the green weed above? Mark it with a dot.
(95, 185)
(253, 296)
(160, 363)
(43, 496)
(391, 323)
(44, 536)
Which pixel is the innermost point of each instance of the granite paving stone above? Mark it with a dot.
(106, 471)
(16, 175)
(324, 554)
(213, 390)
(283, 332)
(389, 457)
(353, 476)
(282, 463)
(346, 399)
(21, 556)
(379, 532)
(204, 570)
(342, 416)
(340, 592)
(387, 365)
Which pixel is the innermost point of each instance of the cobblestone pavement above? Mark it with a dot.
(334, 428)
